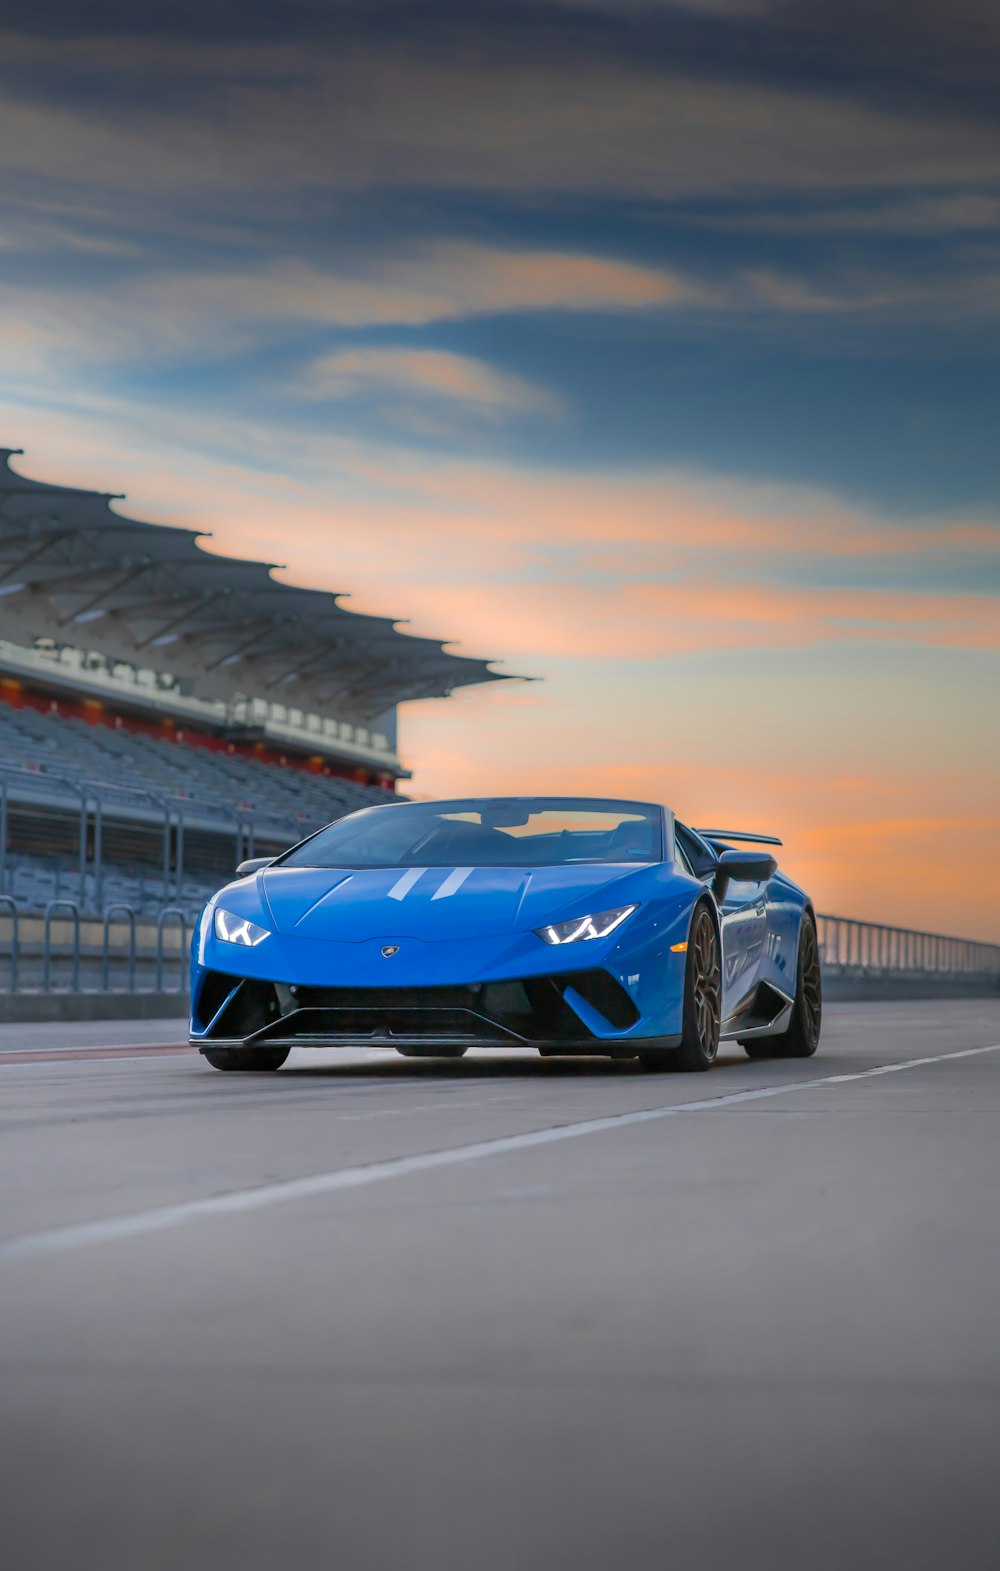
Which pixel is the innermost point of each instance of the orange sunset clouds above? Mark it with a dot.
(688, 645)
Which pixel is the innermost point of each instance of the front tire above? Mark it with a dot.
(247, 1059)
(702, 1003)
(802, 1037)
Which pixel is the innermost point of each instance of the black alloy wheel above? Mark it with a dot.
(802, 1037)
(702, 1003)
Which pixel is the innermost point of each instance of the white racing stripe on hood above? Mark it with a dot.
(454, 881)
(403, 885)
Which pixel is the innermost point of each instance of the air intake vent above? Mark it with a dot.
(608, 997)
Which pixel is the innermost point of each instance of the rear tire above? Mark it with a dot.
(802, 1037)
(248, 1059)
(702, 1004)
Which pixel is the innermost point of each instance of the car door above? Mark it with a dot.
(743, 919)
(743, 912)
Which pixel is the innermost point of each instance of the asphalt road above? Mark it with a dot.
(370, 1313)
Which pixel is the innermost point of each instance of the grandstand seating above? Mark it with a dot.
(141, 782)
(139, 766)
(36, 880)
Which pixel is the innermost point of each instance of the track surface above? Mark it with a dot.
(763, 1333)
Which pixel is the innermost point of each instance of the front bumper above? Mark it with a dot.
(585, 1011)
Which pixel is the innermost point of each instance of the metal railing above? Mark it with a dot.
(65, 951)
(118, 909)
(66, 911)
(9, 904)
(161, 922)
(872, 949)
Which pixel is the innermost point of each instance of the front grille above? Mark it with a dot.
(531, 1010)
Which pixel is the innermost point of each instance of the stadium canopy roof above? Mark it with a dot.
(73, 569)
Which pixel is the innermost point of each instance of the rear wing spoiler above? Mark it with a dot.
(738, 834)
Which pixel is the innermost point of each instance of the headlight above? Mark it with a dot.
(238, 930)
(597, 926)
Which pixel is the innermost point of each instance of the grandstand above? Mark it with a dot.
(165, 711)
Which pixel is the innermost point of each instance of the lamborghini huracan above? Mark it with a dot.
(566, 924)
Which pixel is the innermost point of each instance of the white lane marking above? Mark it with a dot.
(454, 881)
(56, 1240)
(405, 883)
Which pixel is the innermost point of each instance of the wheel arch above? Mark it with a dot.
(808, 909)
(707, 899)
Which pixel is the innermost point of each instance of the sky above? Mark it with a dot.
(648, 347)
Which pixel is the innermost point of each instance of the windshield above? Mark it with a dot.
(501, 832)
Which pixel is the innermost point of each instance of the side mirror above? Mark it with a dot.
(742, 867)
(253, 865)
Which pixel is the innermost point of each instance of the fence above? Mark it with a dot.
(63, 951)
(67, 951)
(864, 951)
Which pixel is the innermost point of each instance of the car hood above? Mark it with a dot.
(357, 905)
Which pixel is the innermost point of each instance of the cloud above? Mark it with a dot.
(432, 282)
(37, 233)
(873, 291)
(629, 622)
(538, 565)
(967, 212)
(490, 279)
(150, 314)
(55, 335)
(276, 122)
(433, 373)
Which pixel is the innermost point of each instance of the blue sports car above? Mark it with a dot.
(568, 924)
